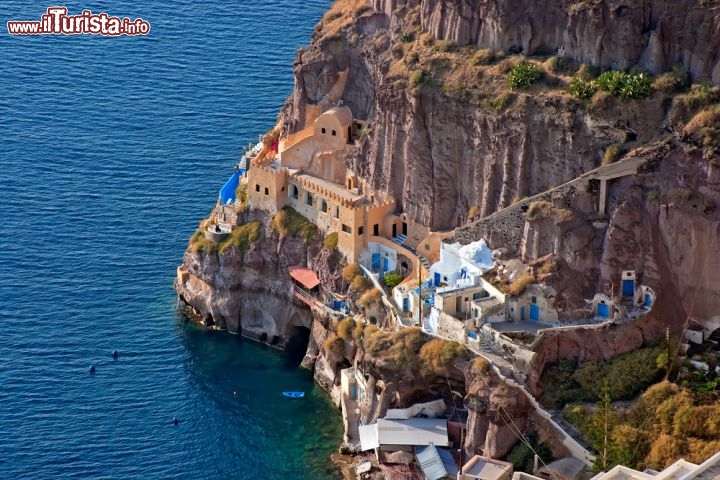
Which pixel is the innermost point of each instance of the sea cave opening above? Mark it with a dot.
(296, 346)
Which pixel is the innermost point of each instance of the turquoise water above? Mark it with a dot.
(112, 149)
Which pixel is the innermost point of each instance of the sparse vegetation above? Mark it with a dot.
(445, 45)
(419, 78)
(561, 65)
(539, 209)
(523, 75)
(289, 223)
(360, 284)
(519, 285)
(473, 212)
(484, 56)
(241, 236)
(611, 154)
(677, 80)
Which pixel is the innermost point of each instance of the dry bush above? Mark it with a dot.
(346, 328)
(520, 284)
(484, 56)
(360, 284)
(437, 354)
(665, 450)
(350, 271)
(334, 346)
(611, 154)
(370, 297)
(539, 209)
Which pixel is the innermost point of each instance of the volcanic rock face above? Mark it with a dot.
(248, 291)
(497, 411)
(652, 34)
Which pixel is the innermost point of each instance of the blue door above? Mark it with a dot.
(406, 304)
(386, 264)
(438, 279)
(648, 300)
(534, 313)
(522, 314)
(375, 262)
(628, 288)
(603, 310)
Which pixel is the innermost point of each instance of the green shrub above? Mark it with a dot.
(392, 279)
(582, 89)
(331, 241)
(626, 86)
(625, 375)
(484, 56)
(242, 236)
(523, 75)
(289, 223)
(522, 456)
(419, 78)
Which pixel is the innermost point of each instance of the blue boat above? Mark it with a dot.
(294, 394)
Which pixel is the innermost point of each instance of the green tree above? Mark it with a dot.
(600, 428)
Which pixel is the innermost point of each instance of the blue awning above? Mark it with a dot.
(227, 192)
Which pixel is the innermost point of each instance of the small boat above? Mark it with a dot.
(294, 394)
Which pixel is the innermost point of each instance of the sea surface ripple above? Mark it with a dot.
(112, 150)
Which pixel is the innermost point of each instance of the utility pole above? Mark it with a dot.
(667, 366)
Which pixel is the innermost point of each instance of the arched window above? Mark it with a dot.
(334, 133)
(294, 191)
(323, 131)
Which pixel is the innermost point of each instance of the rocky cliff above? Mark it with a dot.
(248, 291)
(652, 34)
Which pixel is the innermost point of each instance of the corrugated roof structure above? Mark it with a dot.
(430, 463)
(415, 431)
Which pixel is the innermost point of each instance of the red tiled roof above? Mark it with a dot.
(306, 277)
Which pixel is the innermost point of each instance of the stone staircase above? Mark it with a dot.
(399, 239)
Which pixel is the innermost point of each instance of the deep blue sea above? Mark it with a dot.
(111, 151)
